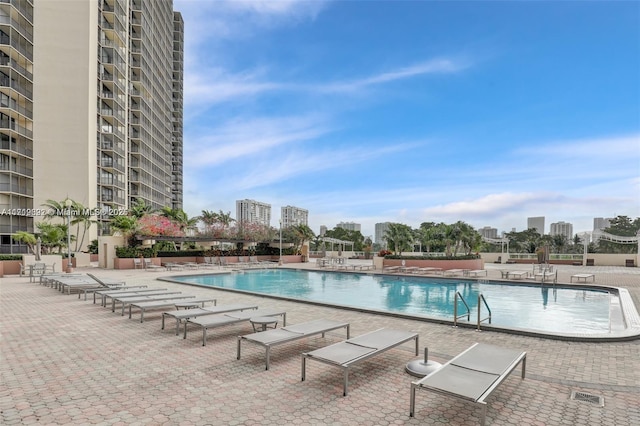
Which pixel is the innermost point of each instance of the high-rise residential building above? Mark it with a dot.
(176, 111)
(562, 228)
(251, 211)
(349, 226)
(601, 223)
(536, 223)
(292, 216)
(380, 229)
(107, 97)
(488, 232)
(323, 230)
(16, 122)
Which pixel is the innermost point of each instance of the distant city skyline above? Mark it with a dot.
(411, 112)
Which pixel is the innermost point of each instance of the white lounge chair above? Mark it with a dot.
(183, 302)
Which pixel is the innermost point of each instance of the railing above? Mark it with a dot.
(455, 309)
(484, 301)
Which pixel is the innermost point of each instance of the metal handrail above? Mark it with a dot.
(455, 309)
(481, 298)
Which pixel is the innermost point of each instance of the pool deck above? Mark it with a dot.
(68, 361)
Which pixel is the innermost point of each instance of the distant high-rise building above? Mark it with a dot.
(601, 223)
(251, 211)
(562, 228)
(488, 232)
(380, 229)
(292, 216)
(349, 226)
(323, 230)
(536, 223)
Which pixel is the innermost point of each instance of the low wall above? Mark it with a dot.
(435, 263)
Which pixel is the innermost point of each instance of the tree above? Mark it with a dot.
(301, 234)
(140, 208)
(209, 218)
(53, 236)
(180, 217)
(81, 219)
(399, 237)
(27, 238)
(622, 226)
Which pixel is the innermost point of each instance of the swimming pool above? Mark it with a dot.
(532, 308)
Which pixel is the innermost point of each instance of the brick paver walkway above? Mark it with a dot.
(67, 361)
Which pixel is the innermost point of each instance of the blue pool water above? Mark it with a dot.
(533, 307)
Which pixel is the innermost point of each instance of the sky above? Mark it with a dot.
(488, 112)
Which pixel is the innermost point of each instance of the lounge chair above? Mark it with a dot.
(279, 336)
(427, 270)
(148, 264)
(215, 321)
(194, 313)
(547, 276)
(351, 351)
(583, 277)
(517, 274)
(108, 293)
(182, 302)
(126, 299)
(472, 375)
(454, 272)
(477, 272)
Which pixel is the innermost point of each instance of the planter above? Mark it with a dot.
(434, 263)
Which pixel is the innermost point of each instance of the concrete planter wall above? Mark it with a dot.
(444, 264)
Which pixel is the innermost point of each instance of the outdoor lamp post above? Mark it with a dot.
(280, 260)
(68, 203)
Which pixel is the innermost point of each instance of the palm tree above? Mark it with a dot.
(81, 218)
(52, 236)
(225, 219)
(140, 208)
(399, 237)
(180, 217)
(28, 239)
(302, 233)
(209, 218)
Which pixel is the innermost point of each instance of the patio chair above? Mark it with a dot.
(352, 351)
(472, 375)
(291, 333)
(137, 264)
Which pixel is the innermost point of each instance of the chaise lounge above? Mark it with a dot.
(215, 321)
(279, 336)
(194, 313)
(472, 375)
(352, 351)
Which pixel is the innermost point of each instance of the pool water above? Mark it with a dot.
(534, 307)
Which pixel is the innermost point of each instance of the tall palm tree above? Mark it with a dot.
(140, 208)
(81, 219)
(225, 219)
(209, 218)
(399, 237)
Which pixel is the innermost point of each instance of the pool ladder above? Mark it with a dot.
(481, 301)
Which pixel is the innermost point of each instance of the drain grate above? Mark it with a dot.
(587, 397)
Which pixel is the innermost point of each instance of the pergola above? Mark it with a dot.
(333, 241)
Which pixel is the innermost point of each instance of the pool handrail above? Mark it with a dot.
(455, 309)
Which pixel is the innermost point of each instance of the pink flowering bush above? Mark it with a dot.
(156, 225)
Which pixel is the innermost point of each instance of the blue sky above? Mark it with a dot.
(414, 111)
